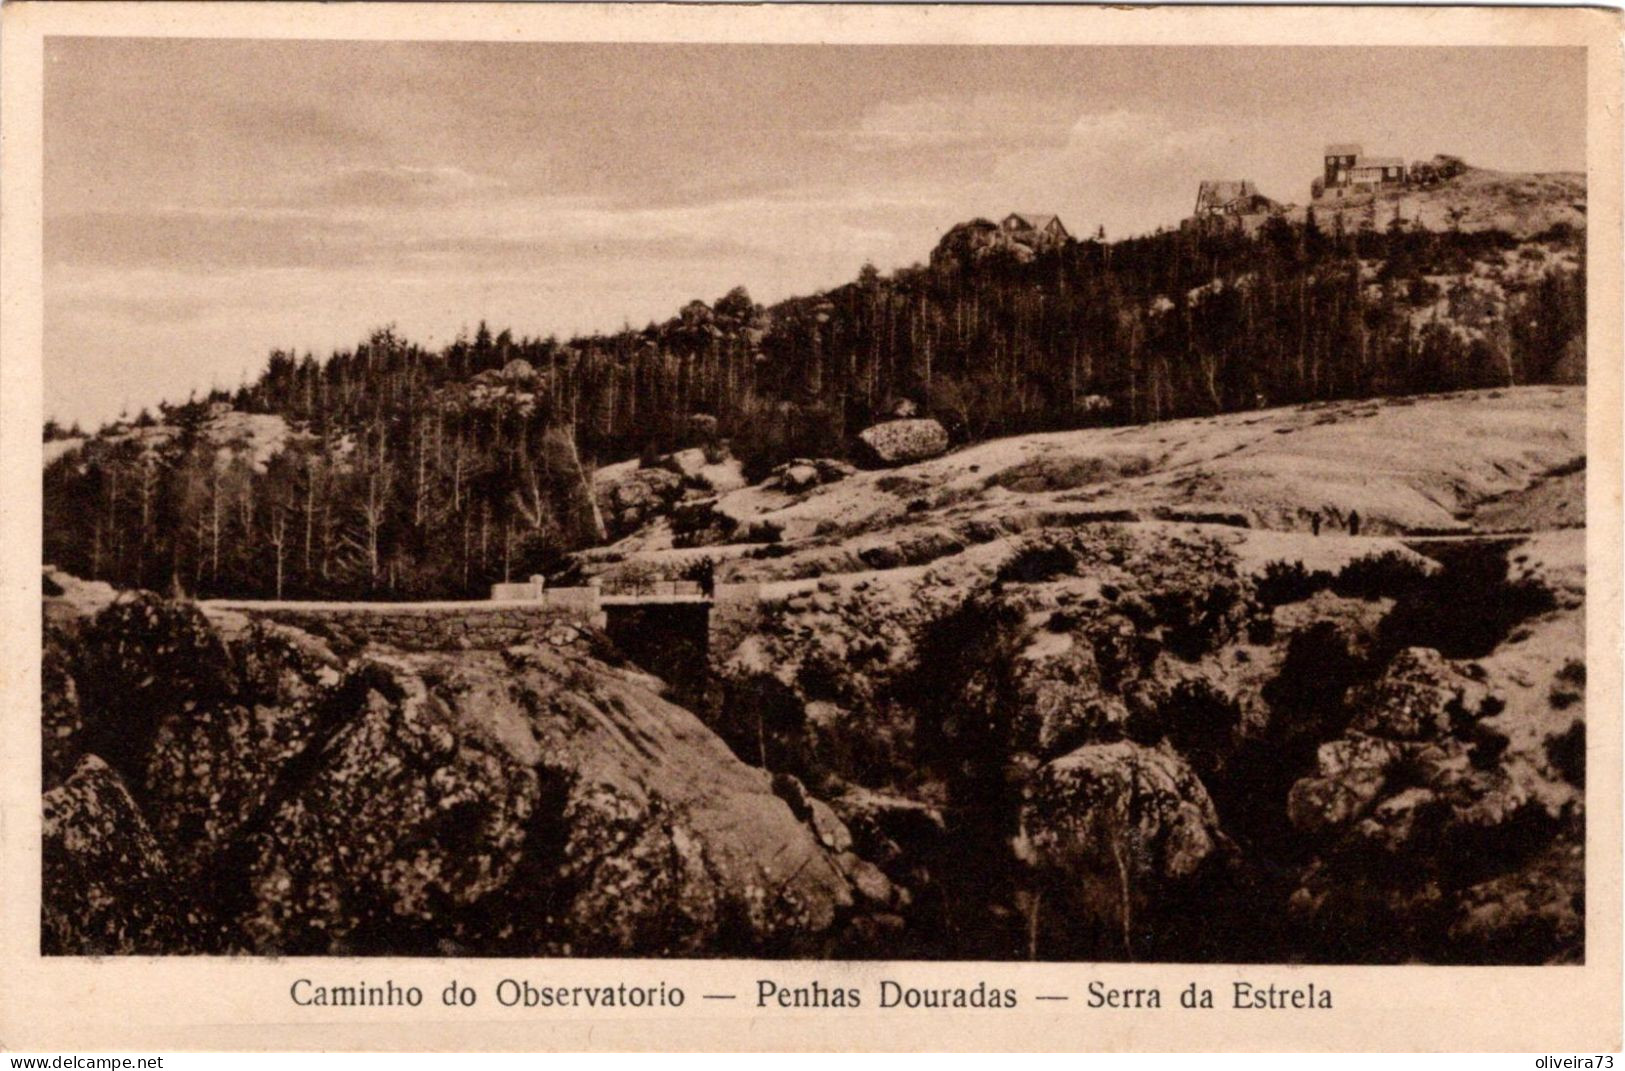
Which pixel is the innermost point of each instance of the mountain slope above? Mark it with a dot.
(1338, 747)
(393, 471)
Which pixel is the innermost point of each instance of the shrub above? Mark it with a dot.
(760, 532)
(702, 571)
(1467, 608)
(1566, 751)
(1035, 564)
(1197, 718)
(1261, 629)
(1285, 582)
(1377, 576)
(1488, 745)
(1309, 694)
(1196, 621)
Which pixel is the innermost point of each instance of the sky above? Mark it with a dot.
(208, 200)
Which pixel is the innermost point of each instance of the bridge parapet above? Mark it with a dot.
(423, 626)
(505, 619)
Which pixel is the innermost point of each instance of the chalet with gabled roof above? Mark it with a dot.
(1230, 197)
(1038, 230)
(1348, 168)
(1022, 235)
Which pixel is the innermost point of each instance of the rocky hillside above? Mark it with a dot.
(1479, 199)
(1112, 691)
(216, 786)
(396, 471)
(1092, 695)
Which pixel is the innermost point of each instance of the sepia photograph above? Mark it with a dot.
(816, 502)
(972, 504)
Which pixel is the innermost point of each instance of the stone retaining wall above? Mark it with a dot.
(437, 626)
(421, 626)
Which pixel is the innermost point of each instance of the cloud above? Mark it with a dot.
(197, 238)
(400, 184)
(1152, 134)
(955, 122)
(1126, 169)
(774, 223)
(283, 125)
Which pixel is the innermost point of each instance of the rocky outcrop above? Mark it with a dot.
(536, 801)
(213, 766)
(710, 471)
(1122, 811)
(107, 885)
(1419, 697)
(1117, 836)
(803, 474)
(900, 442)
(1432, 838)
(643, 494)
(1083, 743)
(1350, 774)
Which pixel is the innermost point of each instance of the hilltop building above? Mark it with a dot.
(1229, 203)
(1230, 197)
(1348, 169)
(1035, 230)
(1021, 234)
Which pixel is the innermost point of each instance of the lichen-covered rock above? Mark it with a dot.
(210, 767)
(107, 888)
(534, 802)
(627, 504)
(142, 660)
(900, 442)
(1420, 696)
(1350, 774)
(1115, 838)
(1106, 807)
(749, 872)
(538, 803)
(61, 728)
(400, 821)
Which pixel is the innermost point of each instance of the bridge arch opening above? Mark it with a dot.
(670, 640)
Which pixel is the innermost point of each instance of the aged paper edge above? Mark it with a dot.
(242, 1004)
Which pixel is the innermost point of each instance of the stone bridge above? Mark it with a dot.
(674, 631)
